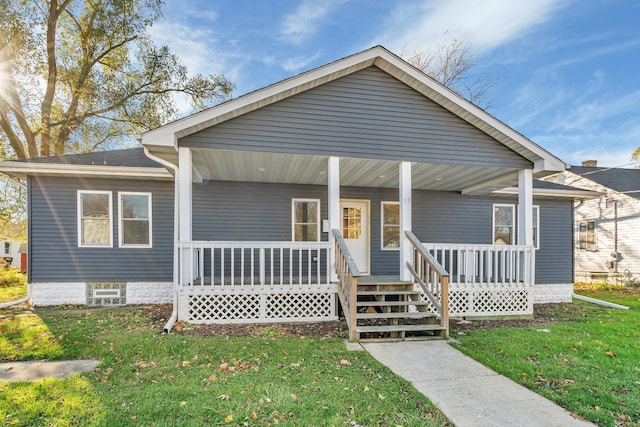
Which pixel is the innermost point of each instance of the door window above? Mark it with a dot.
(351, 223)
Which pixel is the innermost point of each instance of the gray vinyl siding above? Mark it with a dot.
(368, 114)
(53, 234)
(554, 259)
(258, 211)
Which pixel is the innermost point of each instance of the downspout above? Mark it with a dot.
(29, 287)
(615, 235)
(176, 236)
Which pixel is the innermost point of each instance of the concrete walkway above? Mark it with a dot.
(40, 369)
(467, 392)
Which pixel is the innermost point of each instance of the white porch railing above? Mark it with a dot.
(487, 280)
(250, 264)
(485, 265)
(255, 282)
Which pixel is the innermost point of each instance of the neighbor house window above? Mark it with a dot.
(503, 224)
(306, 220)
(7, 248)
(135, 220)
(390, 225)
(94, 219)
(587, 235)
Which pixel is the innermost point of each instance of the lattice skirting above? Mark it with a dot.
(257, 306)
(488, 301)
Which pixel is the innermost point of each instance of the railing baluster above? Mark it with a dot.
(201, 264)
(222, 275)
(281, 265)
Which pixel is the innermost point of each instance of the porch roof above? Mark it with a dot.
(228, 165)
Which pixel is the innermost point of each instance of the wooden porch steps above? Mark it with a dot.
(396, 328)
(394, 315)
(384, 303)
(394, 311)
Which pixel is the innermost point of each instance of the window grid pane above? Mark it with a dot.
(351, 223)
(305, 227)
(95, 219)
(135, 223)
(503, 225)
(390, 225)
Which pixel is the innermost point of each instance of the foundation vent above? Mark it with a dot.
(106, 293)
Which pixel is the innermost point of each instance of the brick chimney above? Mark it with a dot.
(590, 163)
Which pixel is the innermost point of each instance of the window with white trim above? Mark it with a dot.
(587, 235)
(305, 217)
(94, 219)
(503, 224)
(7, 248)
(390, 223)
(134, 211)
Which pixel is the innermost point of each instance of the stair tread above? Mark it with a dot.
(388, 293)
(384, 283)
(389, 303)
(408, 315)
(394, 328)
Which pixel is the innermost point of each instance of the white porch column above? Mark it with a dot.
(184, 178)
(405, 219)
(333, 207)
(525, 207)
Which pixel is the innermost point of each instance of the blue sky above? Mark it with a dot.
(568, 71)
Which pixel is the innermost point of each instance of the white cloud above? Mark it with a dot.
(487, 24)
(612, 147)
(306, 20)
(196, 48)
(294, 64)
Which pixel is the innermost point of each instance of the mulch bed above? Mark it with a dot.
(159, 313)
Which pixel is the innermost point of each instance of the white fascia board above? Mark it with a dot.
(554, 192)
(23, 169)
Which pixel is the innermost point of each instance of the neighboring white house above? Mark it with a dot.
(10, 248)
(606, 229)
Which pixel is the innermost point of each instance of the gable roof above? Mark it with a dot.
(163, 141)
(626, 181)
(125, 163)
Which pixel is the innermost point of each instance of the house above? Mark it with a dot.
(10, 251)
(363, 179)
(607, 228)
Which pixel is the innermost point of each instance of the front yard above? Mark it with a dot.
(582, 356)
(13, 285)
(270, 376)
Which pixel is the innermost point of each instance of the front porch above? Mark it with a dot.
(267, 282)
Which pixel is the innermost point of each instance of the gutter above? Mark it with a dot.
(19, 301)
(176, 225)
(600, 302)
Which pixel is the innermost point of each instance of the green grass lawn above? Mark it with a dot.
(587, 359)
(153, 379)
(13, 285)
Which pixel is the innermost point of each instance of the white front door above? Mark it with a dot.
(355, 231)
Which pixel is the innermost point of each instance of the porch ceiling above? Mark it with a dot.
(225, 165)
